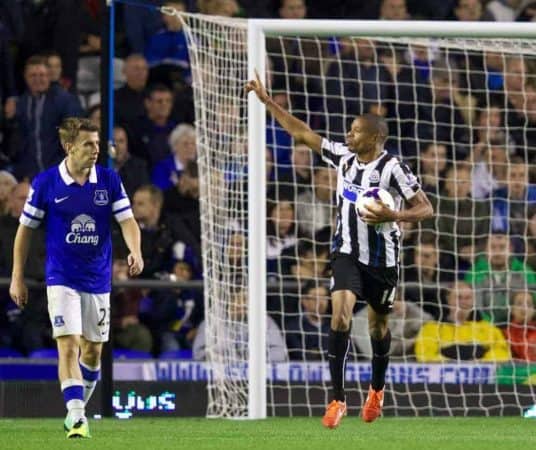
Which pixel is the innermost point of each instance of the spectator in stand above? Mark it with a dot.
(178, 312)
(463, 222)
(425, 274)
(357, 61)
(237, 347)
(129, 99)
(40, 110)
(167, 172)
(448, 111)
(151, 131)
(168, 46)
(490, 128)
(7, 183)
(468, 10)
(489, 170)
(494, 275)
(55, 70)
(28, 329)
(224, 8)
(94, 114)
(280, 233)
(463, 335)
(521, 331)
(158, 232)
(433, 165)
(307, 333)
(514, 203)
(8, 103)
(133, 170)
(501, 10)
(140, 24)
(394, 10)
(315, 208)
(306, 261)
(521, 124)
(128, 332)
(405, 322)
(183, 199)
(296, 178)
(526, 11)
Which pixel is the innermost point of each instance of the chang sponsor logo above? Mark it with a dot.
(83, 229)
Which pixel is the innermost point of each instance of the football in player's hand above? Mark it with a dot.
(370, 197)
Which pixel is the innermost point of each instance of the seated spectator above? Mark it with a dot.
(405, 322)
(132, 170)
(521, 331)
(280, 233)
(236, 326)
(28, 329)
(425, 274)
(40, 110)
(489, 171)
(55, 69)
(129, 99)
(494, 274)
(297, 177)
(433, 165)
(128, 332)
(7, 183)
(306, 261)
(166, 173)
(468, 10)
(151, 131)
(394, 10)
(463, 335)
(315, 208)
(183, 199)
(307, 334)
(159, 232)
(514, 203)
(176, 313)
(168, 45)
(462, 222)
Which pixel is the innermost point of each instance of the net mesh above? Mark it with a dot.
(461, 113)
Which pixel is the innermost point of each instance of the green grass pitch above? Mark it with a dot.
(275, 434)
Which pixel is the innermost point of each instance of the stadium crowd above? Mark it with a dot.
(466, 125)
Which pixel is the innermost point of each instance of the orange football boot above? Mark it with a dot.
(373, 405)
(335, 411)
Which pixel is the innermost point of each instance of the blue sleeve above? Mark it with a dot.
(36, 204)
(121, 208)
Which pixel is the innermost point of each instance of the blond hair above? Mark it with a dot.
(71, 127)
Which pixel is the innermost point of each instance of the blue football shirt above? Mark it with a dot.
(77, 222)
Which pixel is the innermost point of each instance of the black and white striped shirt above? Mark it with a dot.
(373, 247)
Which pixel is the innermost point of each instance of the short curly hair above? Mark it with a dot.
(70, 129)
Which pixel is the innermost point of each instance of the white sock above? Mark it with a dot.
(90, 376)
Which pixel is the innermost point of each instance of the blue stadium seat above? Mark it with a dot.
(9, 353)
(44, 353)
(122, 353)
(177, 354)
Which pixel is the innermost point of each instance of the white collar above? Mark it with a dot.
(68, 179)
(362, 164)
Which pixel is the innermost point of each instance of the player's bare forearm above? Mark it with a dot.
(299, 130)
(21, 248)
(132, 236)
(420, 209)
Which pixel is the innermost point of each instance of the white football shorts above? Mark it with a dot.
(73, 312)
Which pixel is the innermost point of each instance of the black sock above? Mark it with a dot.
(337, 351)
(380, 360)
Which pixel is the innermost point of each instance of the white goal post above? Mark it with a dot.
(213, 40)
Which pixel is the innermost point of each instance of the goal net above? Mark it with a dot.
(462, 115)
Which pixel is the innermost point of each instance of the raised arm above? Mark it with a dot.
(18, 290)
(298, 129)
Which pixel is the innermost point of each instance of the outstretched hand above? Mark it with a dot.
(257, 87)
(379, 213)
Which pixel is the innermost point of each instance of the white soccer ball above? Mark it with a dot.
(369, 197)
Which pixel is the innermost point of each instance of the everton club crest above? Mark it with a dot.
(101, 197)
